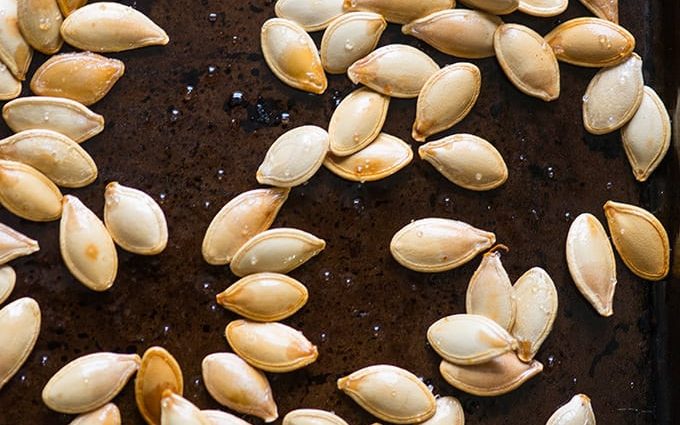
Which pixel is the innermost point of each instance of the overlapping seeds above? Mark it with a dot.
(449, 412)
(399, 11)
(311, 17)
(176, 410)
(15, 52)
(357, 121)
(39, 22)
(158, 372)
(69, 6)
(109, 414)
(490, 293)
(14, 244)
(349, 38)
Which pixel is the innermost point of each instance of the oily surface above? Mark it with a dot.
(363, 308)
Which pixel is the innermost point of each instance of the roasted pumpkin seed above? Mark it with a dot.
(578, 411)
(15, 52)
(159, 371)
(312, 417)
(496, 7)
(39, 22)
(543, 8)
(310, 16)
(449, 412)
(8, 278)
(27, 193)
(357, 121)
(218, 417)
(399, 11)
(349, 38)
(105, 415)
(10, 87)
(176, 410)
(490, 292)
(14, 244)
(69, 6)
(605, 9)
(19, 330)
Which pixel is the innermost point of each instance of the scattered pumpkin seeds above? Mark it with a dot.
(490, 292)
(8, 278)
(19, 330)
(39, 22)
(15, 52)
(577, 411)
(14, 244)
(399, 11)
(310, 16)
(357, 121)
(496, 7)
(605, 9)
(543, 8)
(349, 38)
(10, 87)
(218, 417)
(176, 410)
(69, 6)
(159, 371)
(27, 193)
(105, 415)
(312, 417)
(449, 412)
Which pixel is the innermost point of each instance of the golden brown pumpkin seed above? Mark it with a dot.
(349, 38)
(239, 220)
(19, 330)
(69, 6)
(14, 244)
(399, 11)
(578, 411)
(105, 415)
(310, 16)
(218, 417)
(15, 52)
(176, 410)
(39, 22)
(528, 61)
(27, 193)
(8, 278)
(490, 292)
(640, 239)
(84, 77)
(605, 9)
(394, 70)
(449, 412)
(357, 121)
(159, 371)
(86, 246)
(312, 417)
(496, 7)
(437, 244)
(272, 347)
(543, 8)
(89, 382)
(10, 87)
(238, 386)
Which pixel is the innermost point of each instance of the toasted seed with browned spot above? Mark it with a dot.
(28, 193)
(39, 22)
(19, 330)
(399, 11)
(349, 38)
(159, 371)
(14, 244)
(15, 52)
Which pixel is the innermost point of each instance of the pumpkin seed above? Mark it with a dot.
(56, 156)
(86, 246)
(19, 330)
(218, 417)
(134, 220)
(10, 87)
(89, 382)
(64, 116)
(399, 11)
(264, 297)
(543, 8)
(294, 157)
(457, 32)
(496, 7)
(577, 411)
(69, 6)
(27, 193)
(310, 16)
(446, 98)
(159, 371)
(490, 292)
(590, 258)
(272, 347)
(84, 77)
(15, 52)
(469, 339)
(449, 412)
(536, 298)
(14, 244)
(380, 159)
(390, 393)
(39, 22)
(277, 250)
(394, 70)
(498, 376)
(357, 121)
(176, 410)
(605, 9)
(105, 415)
(239, 220)
(349, 38)
(466, 160)
(312, 417)
(647, 136)
(613, 96)
(640, 239)
(238, 386)
(7, 280)
(434, 245)
(528, 61)
(292, 55)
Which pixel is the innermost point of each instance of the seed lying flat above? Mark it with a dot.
(218, 417)
(15, 52)
(159, 371)
(312, 417)
(86, 246)
(239, 386)
(528, 61)
(457, 32)
(310, 16)
(395, 70)
(27, 193)
(89, 382)
(39, 22)
(56, 156)
(84, 77)
(14, 244)
(19, 330)
(640, 239)
(294, 157)
(613, 96)
(10, 87)
(8, 278)
(490, 292)
(496, 7)
(105, 415)
(349, 38)
(292, 55)
(399, 11)
(277, 250)
(176, 410)
(239, 220)
(605, 9)
(543, 8)
(577, 411)
(436, 244)
(449, 412)
(357, 121)
(590, 258)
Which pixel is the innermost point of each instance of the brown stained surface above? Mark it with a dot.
(364, 308)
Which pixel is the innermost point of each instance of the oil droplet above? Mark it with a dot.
(206, 204)
(211, 70)
(212, 17)
(285, 119)
(567, 216)
(376, 330)
(550, 172)
(236, 99)
(327, 275)
(220, 174)
(174, 114)
(189, 92)
(610, 185)
(358, 205)
(551, 361)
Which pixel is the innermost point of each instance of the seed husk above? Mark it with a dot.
(605, 9)
(39, 22)
(27, 193)
(490, 292)
(446, 98)
(647, 136)
(613, 96)
(528, 61)
(543, 8)
(457, 32)
(390, 393)
(69, 6)
(89, 382)
(294, 157)
(84, 77)
(383, 157)
(105, 415)
(159, 371)
(218, 417)
(449, 412)
(292, 55)
(8, 278)
(640, 239)
(399, 11)
(433, 245)
(277, 250)
(10, 87)
(86, 246)
(349, 38)
(239, 386)
(15, 52)
(239, 220)
(312, 417)
(310, 16)
(496, 7)
(56, 156)
(591, 262)
(14, 244)
(394, 70)
(577, 411)
(19, 330)
(176, 410)
(357, 121)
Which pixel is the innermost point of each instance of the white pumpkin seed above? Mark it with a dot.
(433, 245)
(590, 258)
(239, 220)
(19, 330)
(449, 412)
(578, 411)
(543, 8)
(613, 96)
(15, 52)
(528, 61)
(105, 415)
(399, 11)
(277, 250)
(39, 22)
(490, 292)
(647, 136)
(312, 417)
(312, 16)
(89, 382)
(496, 7)
(394, 70)
(176, 410)
(10, 87)
(86, 246)
(349, 38)
(159, 371)
(8, 278)
(56, 156)
(69, 6)
(357, 121)
(640, 239)
(294, 157)
(605, 9)
(27, 193)
(218, 417)
(14, 244)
